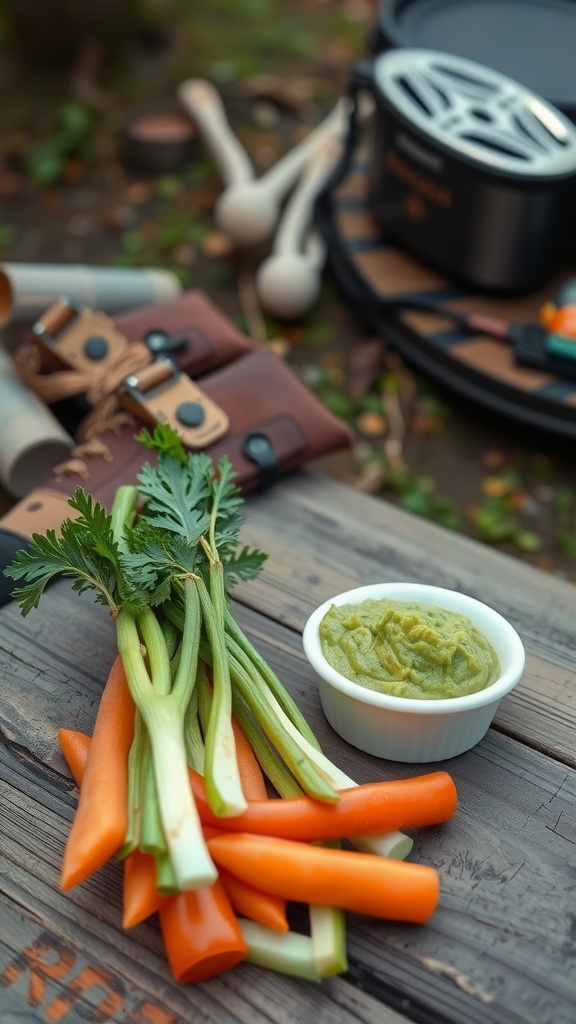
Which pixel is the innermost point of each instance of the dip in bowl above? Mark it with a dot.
(477, 653)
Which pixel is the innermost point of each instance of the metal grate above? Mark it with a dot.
(477, 112)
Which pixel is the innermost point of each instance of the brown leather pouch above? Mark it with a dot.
(270, 423)
(265, 419)
(74, 358)
(208, 338)
(276, 423)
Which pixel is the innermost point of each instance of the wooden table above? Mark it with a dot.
(500, 949)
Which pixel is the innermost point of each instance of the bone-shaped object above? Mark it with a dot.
(248, 209)
(288, 281)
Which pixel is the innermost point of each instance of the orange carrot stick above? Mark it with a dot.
(140, 897)
(360, 882)
(201, 934)
(246, 900)
(99, 824)
(210, 832)
(369, 809)
(74, 745)
(249, 902)
(251, 775)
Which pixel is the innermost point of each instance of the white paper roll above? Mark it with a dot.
(32, 441)
(28, 289)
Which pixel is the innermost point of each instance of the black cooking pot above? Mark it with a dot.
(469, 170)
(531, 41)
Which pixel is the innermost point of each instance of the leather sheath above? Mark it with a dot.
(274, 423)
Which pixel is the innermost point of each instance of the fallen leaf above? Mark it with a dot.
(495, 486)
(217, 246)
(372, 424)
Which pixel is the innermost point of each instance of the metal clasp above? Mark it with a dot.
(160, 393)
(77, 338)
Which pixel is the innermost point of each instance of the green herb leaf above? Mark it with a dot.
(85, 551)
(175, 496)
(243, 565)
(164, 439)
(224, 501)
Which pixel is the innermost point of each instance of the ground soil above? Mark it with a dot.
(279, 66)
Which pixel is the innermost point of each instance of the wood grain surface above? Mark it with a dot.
(500, 949)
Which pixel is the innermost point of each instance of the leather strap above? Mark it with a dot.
(160, 393)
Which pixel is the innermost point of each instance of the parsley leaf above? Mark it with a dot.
(85, 551)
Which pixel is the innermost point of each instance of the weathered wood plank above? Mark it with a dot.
(324, 539)
(68, 952)
(499, 950)
(53, 968)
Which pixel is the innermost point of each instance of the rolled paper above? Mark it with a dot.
(28, 289)
(32, 441)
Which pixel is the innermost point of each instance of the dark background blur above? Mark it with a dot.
(73, 73)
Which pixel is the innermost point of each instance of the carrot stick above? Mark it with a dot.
(251, 775)
(369, 809)
(99, 824)
(140, 897)
(247, 901)
(74, 745)
(200, 932)
(250, 902)
(360, 882)
(211, 833)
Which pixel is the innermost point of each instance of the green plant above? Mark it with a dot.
(71, 137)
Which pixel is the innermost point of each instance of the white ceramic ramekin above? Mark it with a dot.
(407, 729)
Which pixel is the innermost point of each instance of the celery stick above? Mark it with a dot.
(396, 845)
(328, 936)
(281, 732)
(223, 785)
(274, 769)
(152, 839)
(163, 715)
(193, 738)
(123, 512)
(204, 696)
(328, 932)
(185, 677)
(165, 879)
(246, 654)
(134, 796)
(285, 952)
(191, 861)
(156, 652)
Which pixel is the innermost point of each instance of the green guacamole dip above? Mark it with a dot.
(407, 649)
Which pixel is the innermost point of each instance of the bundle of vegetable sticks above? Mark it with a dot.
(194, 730)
